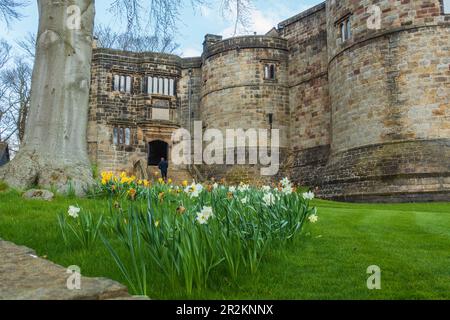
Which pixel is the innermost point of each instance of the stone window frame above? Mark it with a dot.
(168, 89)
(122, 136)
(270, 71)
(122, 83)
(270, 67)
(344, 27)
(445, 8)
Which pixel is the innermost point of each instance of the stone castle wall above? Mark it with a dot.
(363, 119)
(390, 97)
(136, 110)
(308, 94)
(236, 94)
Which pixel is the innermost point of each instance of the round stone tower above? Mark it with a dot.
(389, 81)
(245, 87)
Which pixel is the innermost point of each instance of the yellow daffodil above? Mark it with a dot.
(132, 193)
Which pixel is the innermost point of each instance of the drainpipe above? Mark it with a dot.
(190, 111)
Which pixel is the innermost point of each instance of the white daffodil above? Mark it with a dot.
(244, 200)
(285, 182)
(313, 218)
(243, 187)
(201, 219)
(207, 212)
(232, 189)
(74, 211)
(266, 189)
(194, 190)
(204, 215)
(215, 186)
(269, 199)
(287, 190)
(308, 195)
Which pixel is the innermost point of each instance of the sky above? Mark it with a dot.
(193, 25)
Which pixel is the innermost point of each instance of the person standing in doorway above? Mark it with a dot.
(163, 167)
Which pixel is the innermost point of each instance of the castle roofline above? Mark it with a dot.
(245, 42)
(188, 62)
(302, 15)
(138, 55)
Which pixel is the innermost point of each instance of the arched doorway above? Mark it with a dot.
(156, 150)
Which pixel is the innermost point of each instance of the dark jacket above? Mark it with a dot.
(163, 166)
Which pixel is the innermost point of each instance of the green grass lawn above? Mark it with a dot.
(409, 242)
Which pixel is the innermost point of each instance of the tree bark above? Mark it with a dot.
(54, 148)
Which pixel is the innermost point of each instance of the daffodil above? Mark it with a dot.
(194, 190)
(204, 215)
(308, 195)
(132, 193)
(313, 218)
(74, 211)
(269, 199)
(243, 187)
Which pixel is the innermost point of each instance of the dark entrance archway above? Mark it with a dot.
(156, 150)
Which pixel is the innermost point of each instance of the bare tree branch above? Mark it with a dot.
(15, 84)
(28, 45)
(9, 10)
(129, 41)
(5, 53)
(240, 10)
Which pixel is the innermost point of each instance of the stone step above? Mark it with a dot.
(178, 175)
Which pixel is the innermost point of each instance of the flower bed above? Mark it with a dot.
(189, 233)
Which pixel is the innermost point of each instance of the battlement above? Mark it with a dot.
(245, 42)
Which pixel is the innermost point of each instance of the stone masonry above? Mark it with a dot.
(24, 276)
(363, 112)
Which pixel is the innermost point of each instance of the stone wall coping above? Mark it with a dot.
(246, 42)
(302, 15)
(145, 57)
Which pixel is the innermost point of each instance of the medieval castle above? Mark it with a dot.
(363, 112)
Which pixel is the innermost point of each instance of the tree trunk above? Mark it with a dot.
(54, 149)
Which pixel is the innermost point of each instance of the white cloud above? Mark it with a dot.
(191, 52)
(261, 21)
